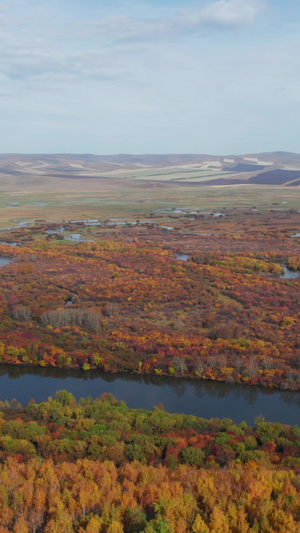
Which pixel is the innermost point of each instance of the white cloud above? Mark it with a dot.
(221, 15)
(35, 43)
(138, 76)
(232, 13)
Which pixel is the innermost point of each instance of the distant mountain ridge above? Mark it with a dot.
(274, 168)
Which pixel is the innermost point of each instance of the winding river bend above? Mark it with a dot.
(200, 398)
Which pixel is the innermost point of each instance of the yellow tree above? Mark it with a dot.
(115, 527)
(199, 525)
(94, 525)
(218, 522)
(21, 526)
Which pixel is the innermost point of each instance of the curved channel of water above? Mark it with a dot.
(201, 398)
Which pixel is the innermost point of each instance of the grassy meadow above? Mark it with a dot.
(138, 199)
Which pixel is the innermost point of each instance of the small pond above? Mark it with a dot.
(289, 274)
(5, 261)
(182, 257)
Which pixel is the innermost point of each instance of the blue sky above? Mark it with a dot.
(149, 76)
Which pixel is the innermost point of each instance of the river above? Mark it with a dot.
(287, 272)
(179, 395)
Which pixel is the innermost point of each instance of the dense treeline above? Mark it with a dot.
(122, 306)
(107, 429)
(93, 497)
(100, 467)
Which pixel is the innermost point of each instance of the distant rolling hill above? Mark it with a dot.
(41, 170)
(277, 177)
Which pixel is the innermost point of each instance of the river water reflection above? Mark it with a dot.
(200, 398)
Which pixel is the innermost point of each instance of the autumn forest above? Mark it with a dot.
(174, 293)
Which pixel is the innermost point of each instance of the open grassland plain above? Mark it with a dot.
(69, 187)
(110, 199)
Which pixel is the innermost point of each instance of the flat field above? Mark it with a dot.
(103, 199)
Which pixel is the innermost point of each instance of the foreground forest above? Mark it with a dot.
(100, 467)
(127, 299)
